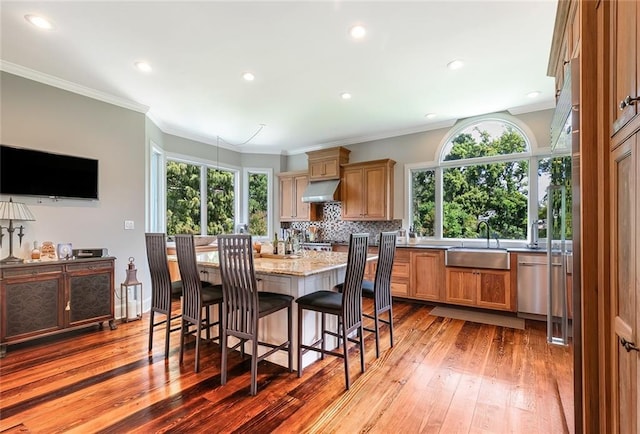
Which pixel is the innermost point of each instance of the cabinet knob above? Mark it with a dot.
(629, 346)
(68, 306)
(629, 100)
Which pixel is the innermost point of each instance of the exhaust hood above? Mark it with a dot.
(321, 191)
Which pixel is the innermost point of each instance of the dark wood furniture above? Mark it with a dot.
(43, 298)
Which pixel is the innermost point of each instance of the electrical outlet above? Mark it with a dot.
(128, 225)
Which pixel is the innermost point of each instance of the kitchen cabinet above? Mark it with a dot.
(479, 287)
(292, 208)
(401, 274)
(625, 37)
(367, 190)
(325, 163)
(43, 298)
(427, 277)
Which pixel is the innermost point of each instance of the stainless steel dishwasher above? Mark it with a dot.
(533, 284)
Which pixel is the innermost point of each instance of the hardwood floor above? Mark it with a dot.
(442, 375)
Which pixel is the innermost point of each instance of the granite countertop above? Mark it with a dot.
(432, 246)
(306, 264)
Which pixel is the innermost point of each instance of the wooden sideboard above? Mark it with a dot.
(43, 298)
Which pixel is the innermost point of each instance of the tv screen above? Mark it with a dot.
(37, 173)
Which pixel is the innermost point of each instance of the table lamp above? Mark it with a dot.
(13, 211)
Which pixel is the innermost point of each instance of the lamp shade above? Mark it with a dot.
(14, 211)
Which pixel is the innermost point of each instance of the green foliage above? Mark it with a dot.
(423, 186)
(258, 202)
(183, 198)
(559, 170)
(475, 190)
(220, 202)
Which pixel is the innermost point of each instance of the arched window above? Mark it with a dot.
(485, 171)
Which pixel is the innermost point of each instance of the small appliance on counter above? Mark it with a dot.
(402, 237)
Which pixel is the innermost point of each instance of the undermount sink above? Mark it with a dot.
(470, 257)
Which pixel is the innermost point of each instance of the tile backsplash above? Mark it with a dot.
(333, 228)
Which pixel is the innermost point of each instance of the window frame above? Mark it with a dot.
(532, 155)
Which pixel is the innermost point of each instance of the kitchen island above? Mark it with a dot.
(302, 274)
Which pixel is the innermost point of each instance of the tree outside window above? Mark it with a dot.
(258, 203)
(497, 192)
(423, 187)
(220, 201)
(183, 198)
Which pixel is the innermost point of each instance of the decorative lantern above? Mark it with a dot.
(131, 294)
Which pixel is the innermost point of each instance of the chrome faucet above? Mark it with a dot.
(488, 230)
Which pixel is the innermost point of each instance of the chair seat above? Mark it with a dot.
(176, 287)
(323, 301)
(269, 302)
(367, 288)
(212, 294)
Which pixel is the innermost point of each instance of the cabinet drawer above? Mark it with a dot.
(32, 271)
(400, 270)
(400, 289)
(93, 266)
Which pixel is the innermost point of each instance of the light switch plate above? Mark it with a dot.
(128, 225)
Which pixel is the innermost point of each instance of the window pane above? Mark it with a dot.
(220, 201)
(554, 171)
(183, 198)
(485, 139)
(423, 207)
(497, 191)
(258, 203)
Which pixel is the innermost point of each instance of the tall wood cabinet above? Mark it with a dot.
(43, 298)
(292, 208)
(625, 199)
(367, 190)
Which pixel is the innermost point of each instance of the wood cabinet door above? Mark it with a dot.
(427, 279)
(624, 286)
(624, 68)
(352, 194)
(461, 285)
(375, 193)
(286, 198)
(324, 169)
(494, 289)
(301, 208)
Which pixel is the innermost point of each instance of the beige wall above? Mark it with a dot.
(46, 118)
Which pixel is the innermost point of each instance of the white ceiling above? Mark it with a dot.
(303, 59)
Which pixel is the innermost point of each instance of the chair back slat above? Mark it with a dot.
(159, 270)
(239, 284)
(191, 284)
(352, 289)
(382, 283)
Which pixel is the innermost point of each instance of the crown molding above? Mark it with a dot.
(50, 80)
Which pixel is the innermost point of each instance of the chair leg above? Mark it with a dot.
(361, 336)
(376, 321)
(223, 367)
(208, 317)
(322, 329)
(254, 366)
(198, 331)
(290, 336)
(151, 330)
(183, 330)
(167, 334)
(391, 325)
(300, 310)
(346, 357)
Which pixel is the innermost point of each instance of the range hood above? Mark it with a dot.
(321, 191)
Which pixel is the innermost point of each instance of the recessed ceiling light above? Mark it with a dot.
(248, 76)
(345, 95)
(430, 115)
(358, 31)
(534, 94)
(455, 64)
(143, 66)
(39, 22)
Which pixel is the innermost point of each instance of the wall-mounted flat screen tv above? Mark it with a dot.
(36, 173)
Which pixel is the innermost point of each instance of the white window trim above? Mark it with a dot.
(156, 200)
